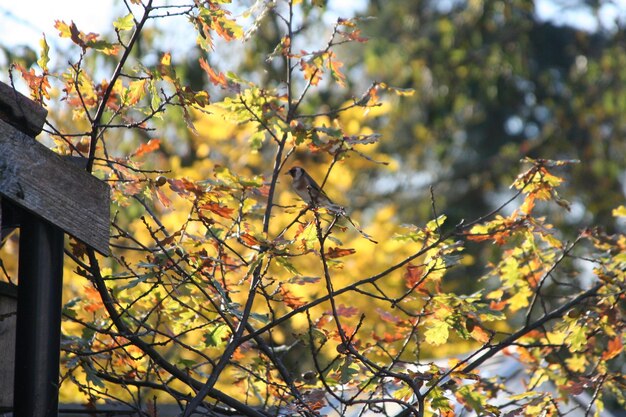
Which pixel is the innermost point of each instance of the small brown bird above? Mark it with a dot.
(308, 190)
(312, 194)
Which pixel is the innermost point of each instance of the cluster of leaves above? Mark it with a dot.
(225, 297)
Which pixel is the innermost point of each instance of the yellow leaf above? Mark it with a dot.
(520, 299)
(578, 338)
(136, 90)
(437, 333)
(619, 212)
(576, 363)
(43, 56)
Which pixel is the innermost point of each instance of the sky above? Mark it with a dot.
(23, 22)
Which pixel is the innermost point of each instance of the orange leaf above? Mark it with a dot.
(528, 204)
(144, 148)
(249, 239)
(216, 208)
(214, 78)
(163, 199)
(39, 85)
(311, 72)
(335, 70)
(479, 334)
(291, 300)
(497, 306)
(339, 252)
(136, 91)
(93, 300)
(184, 187)
(614, 348)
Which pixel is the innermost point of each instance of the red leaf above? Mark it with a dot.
(413, 275)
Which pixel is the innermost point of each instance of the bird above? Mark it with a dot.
(311, 193)
(307, 189)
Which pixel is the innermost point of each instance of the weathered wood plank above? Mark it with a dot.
(20, 111)
(35, 178)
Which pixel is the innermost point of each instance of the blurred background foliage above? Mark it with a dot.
(493, 83)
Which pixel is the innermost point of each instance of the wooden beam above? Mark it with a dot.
(20, 111)
(39, 180)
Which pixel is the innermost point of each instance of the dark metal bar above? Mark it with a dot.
(38, 335)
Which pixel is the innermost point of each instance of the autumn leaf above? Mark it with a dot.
(311, 72)
(214, 78)
(92, 299)
(287, 265)
(619, 212)
(437, 333)
(339, 252)
(249, 239)
(387, 316)
(217, 208)
(125, 23)
(44, 54)
(335, 69)
(290, 299)
(135, 92)
(185, 187)
(413, 275)
(144, 148)
(163, 199)
(345, 311)
(614, 348)
(480, 335)
(39, 85)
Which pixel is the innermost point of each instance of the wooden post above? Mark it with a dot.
(8, 313)
(47, 196)
(38, 338)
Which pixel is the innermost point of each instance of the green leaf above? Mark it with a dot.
(186, 363)
(256, 140)
(125, 23)
(217, 336)
(348, 371)
(91, 376)
(439, 401)
(287, 265)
